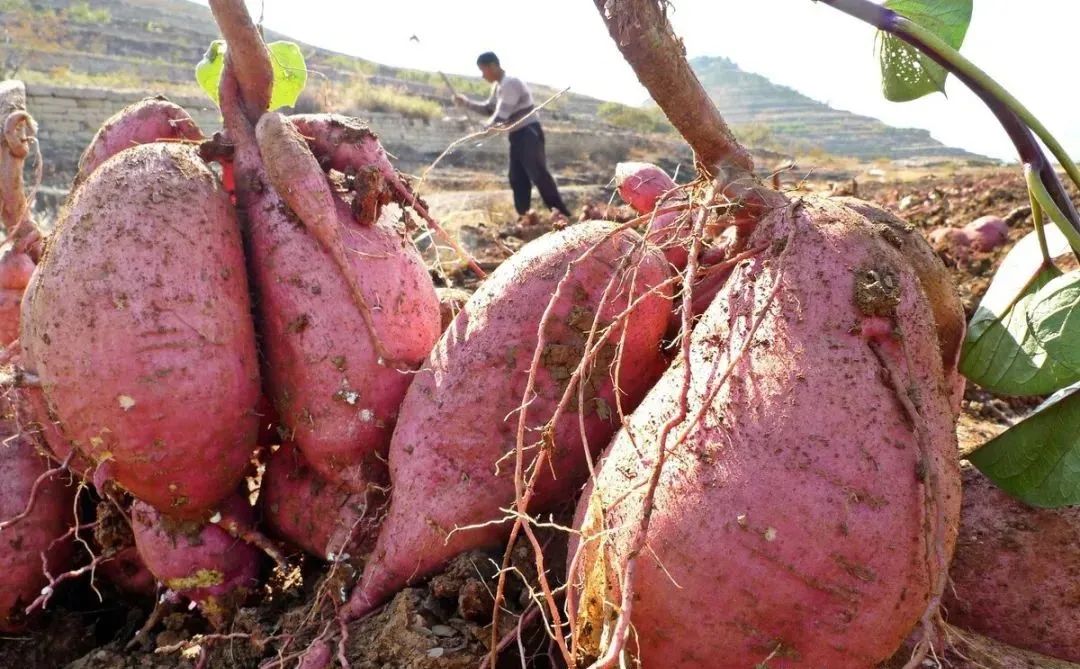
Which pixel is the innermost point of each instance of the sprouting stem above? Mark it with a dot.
(1037, 217)
(1042, 197)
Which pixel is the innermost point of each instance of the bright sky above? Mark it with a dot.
(798, 43)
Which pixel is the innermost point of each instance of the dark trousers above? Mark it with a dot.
(528, 166)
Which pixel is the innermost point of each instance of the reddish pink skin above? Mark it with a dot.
(21, 544)
(458, 417)
(790, 517)
(127, 571)
(322, 518)
(146, 121)
(344, 144)
(143, 297)
(1016, 573)
(671, 231)
(323, 373)
(642, 185)
(202, 562)
(987, 233)
(15, 271)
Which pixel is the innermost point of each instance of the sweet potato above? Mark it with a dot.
(333, 390)
(809, 495)
(198, 560)
(15, 271)
(25, 540)
(460, 416)
(986, 233)
(1016, 573)
(143, 298)
(147, 121)
(325, 519)
(643, 186)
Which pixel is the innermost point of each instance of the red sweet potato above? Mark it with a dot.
(1016, 573)
(150, 120)
(143, 297)
(24, 541)
(987, 233)
(15, 271)
(198, 560)
(460, 416)
(643, 185)
(325, 519)
(334, 392)
(808, 501)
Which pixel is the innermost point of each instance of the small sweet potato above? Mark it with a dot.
(199, 560)
(147, 121)
(325, 519)
(24, 541)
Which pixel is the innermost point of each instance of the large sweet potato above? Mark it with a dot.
(460, 416)
(139, 326)
(334, 393)
(809, 496)
(1016, 574)
(24, 541)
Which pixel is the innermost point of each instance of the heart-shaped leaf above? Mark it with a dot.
(907, 74)
(1038, 459)
(1054, 319)
(1001, 353)
(290, 72)
(208, 70)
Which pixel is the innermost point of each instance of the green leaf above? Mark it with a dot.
(907, 74)
(1054, 319)
(208, 71)
(1038, 459)
(290, 72)
(1001, 353)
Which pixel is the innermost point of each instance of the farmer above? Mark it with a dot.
(511, 106)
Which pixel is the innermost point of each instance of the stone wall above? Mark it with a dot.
(68, 117)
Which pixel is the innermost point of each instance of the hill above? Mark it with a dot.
(84, 59)
(748, 99)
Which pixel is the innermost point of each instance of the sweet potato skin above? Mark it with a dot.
(146, 121)
(790, 518)
(332, 392)
(143, 297)
(323, 518)
(21, 544)
(200, 561)
(459, 417)
(1016, 572)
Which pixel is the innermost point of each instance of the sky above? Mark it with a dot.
(798, 43)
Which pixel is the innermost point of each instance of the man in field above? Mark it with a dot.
(511, 106)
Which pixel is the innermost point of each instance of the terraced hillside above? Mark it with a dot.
(749, 99)
(141, 47)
